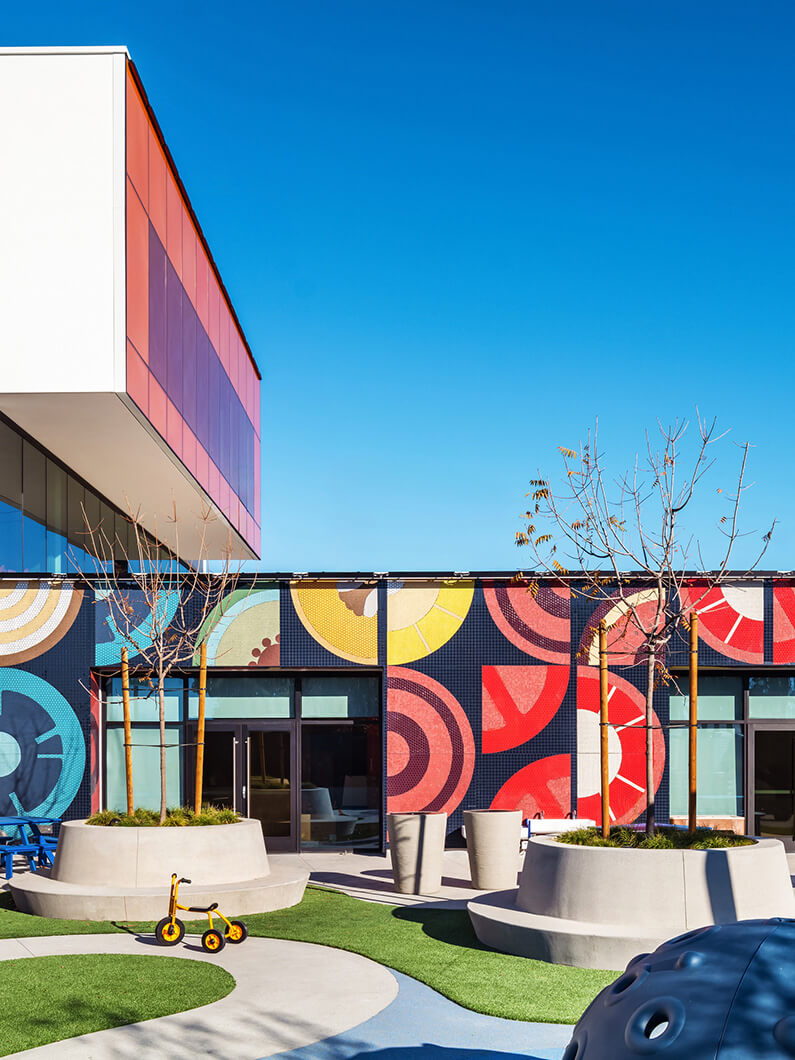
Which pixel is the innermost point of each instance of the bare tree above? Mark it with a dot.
(621, 540)
(177, 599)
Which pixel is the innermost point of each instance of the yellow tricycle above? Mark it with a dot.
(171, 929)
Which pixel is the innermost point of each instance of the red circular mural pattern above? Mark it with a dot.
(627, 718)
(430, 746)
(538, 625)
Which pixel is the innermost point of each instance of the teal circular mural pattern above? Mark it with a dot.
(42, 748)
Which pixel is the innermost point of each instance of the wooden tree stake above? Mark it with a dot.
(125, 695)
(693, 724)
(603, 729)
(200, 730)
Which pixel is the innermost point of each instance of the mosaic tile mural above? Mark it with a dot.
(491, 692)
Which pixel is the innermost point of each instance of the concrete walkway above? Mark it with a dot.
(288, 995)
(422, 1025)
(369, 876)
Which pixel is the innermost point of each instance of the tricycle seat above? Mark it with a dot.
(202, 908)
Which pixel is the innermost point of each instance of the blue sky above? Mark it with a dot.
(457, 232)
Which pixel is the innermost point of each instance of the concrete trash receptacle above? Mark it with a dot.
(493, 838)
(416, 847)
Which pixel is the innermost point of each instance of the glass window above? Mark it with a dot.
(92, 507)
(243, 697)
(340, 697)
(719, 763)
(10, 499)
(34, 507)
(771, 696)
(720, 698)
(340, 789)
(144, 701)
(146, 768)
(269, 781)
(76, 526)
(56, 518)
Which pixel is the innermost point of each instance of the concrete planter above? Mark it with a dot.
(416, 846)
(125, 873)
(597, 907)
(493, 838)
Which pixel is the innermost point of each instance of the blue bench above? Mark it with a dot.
(8, 851)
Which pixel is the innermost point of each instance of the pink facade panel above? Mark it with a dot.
(189, 369)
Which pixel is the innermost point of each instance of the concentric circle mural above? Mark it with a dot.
(422, 616)
(626, 748)
(33, 618)
(537, 624)
(430, 746)
(42, 748)
(243, 630)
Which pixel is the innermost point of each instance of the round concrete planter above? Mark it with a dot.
(106, 873)
(416, 846)
(493, 838)
(597, 907)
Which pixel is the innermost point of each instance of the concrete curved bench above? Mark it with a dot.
(597, 907)
(125, 873)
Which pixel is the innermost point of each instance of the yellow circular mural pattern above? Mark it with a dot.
(341, 616)
(421, 617)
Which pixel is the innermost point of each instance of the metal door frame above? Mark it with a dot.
(217, 725)
(288, 843)
(766, 725)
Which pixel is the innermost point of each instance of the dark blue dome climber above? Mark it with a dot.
(725, 992)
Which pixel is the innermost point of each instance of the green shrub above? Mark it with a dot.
(179, 817)
(664, 839)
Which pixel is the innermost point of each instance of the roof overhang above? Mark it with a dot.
(109, 443)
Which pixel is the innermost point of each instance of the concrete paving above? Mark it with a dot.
(422, 1025)
(287, 995)
(369, 876)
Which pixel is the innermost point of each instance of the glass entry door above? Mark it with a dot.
(774, 784)
(270, 790)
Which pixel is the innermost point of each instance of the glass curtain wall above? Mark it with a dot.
(721, 748)
(42, 526)
(742, 718)
(333, 720)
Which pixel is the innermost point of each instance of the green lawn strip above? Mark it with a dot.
(436, 946)
(47, 999)
(16, 925)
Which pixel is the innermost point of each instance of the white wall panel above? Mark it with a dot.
(60, 184)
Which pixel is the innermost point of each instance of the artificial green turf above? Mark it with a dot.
(436, 946)
(47, 999)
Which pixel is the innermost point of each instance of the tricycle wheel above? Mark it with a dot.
(213, 941)
(169, 932)
(238, 932)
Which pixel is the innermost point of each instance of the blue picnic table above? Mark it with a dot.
(23, 837)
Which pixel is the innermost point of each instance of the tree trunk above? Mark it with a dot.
(650, 743)
(161, 696)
